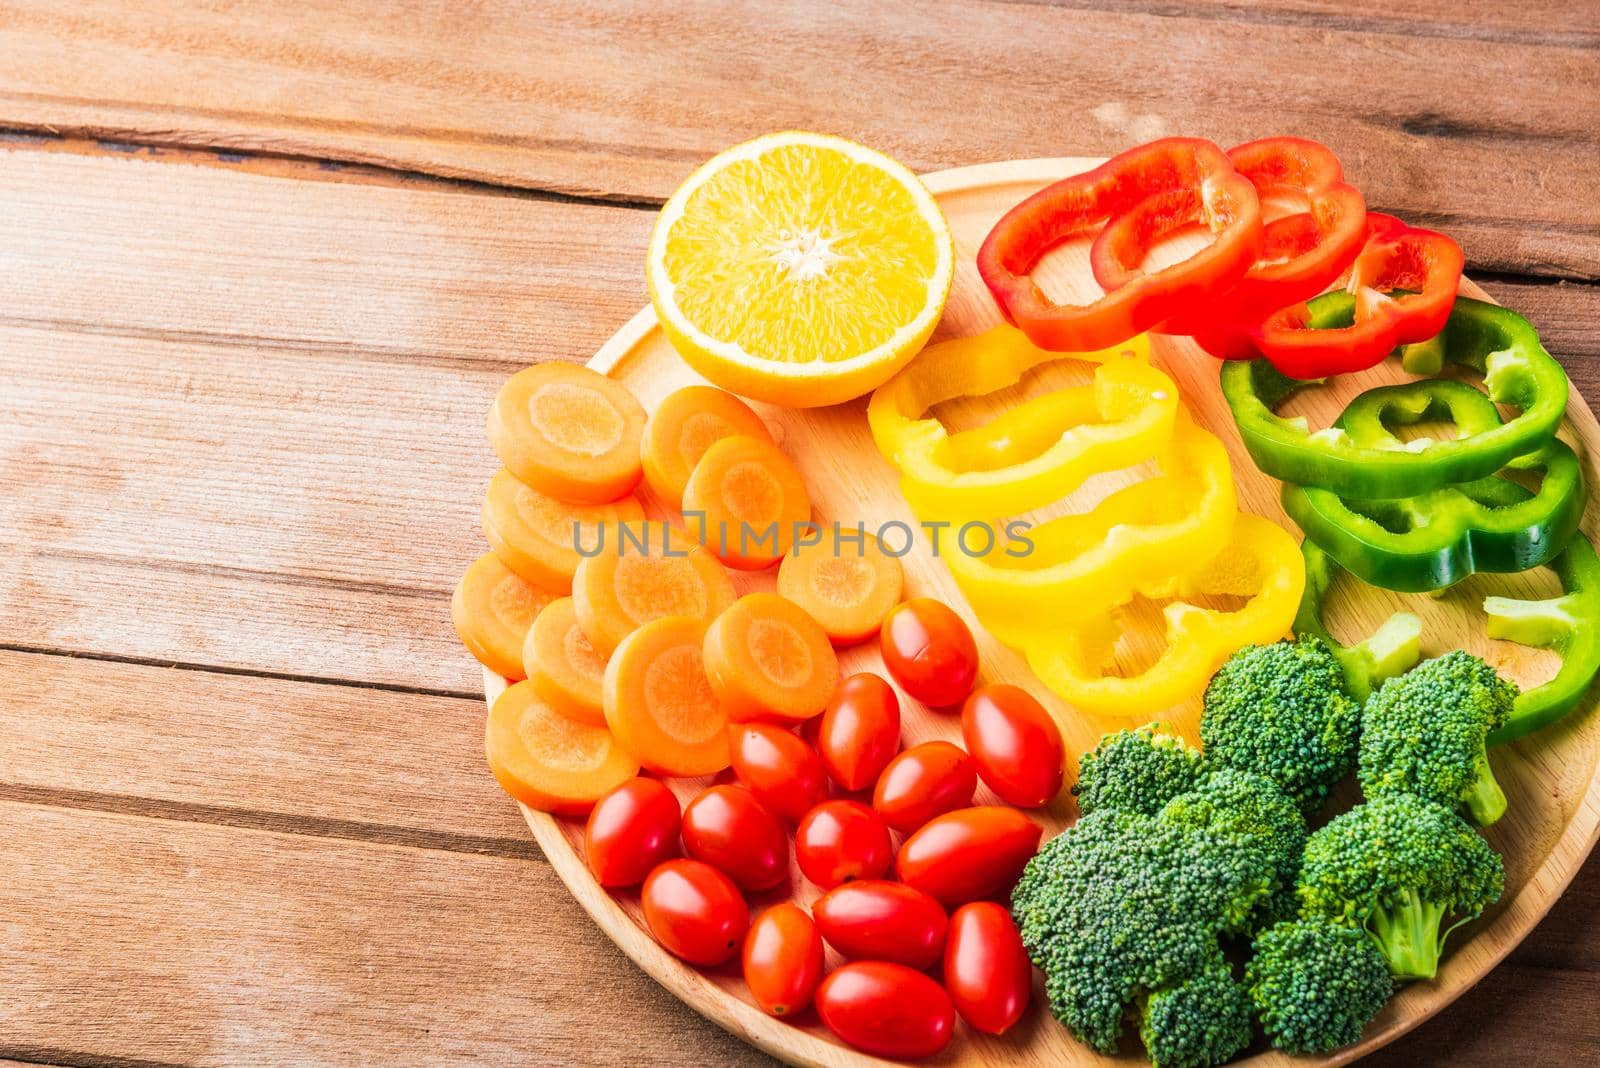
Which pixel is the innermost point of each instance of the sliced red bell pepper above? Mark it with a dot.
(1140, 195)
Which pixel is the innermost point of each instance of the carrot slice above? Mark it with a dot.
(659, 703)
(548, 761)
(684, 425)
(563, 667)
(846, 591)
(493, 610)
(767, 658)
(750, 498)
(569, 432)
(538, 536)
(645, 571)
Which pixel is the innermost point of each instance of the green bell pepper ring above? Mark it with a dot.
(1484, 337)
(1393, 649)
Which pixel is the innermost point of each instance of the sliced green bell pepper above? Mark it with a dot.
(1393, 649)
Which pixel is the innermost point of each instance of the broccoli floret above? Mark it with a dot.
(1198, 1023)
(1423, 733)
(1136, 771)
(1238, 802)
(1398, 865)
(1123, 905)
(1316, 984)
(1281, 710)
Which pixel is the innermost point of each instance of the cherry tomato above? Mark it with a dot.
(925, 781)
(783, 959)
(969, 854)
(726, 827)
(929, 651)
(778, 767)
(1015, 743)
(695, 911)
(876, 920)
(630, 831)
(842, 840)
(886, 1009)
(860, 731)
(986, 970)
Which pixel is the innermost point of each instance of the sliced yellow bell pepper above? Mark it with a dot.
(1031, 454)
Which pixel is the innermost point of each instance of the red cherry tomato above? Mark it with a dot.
(886, 1009)
(860, 731)
(969, 854)
(695, 911)
(925, 781)
(630, 831)
(986, 970)
(726, 827)
(876, 920)
(778, 767)
(929, 651)
(839, 841)
(783, 959)
(1015, 743)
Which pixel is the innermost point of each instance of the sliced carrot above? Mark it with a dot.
(684, 425)
(846, 590)
(750, 498)
(645, 571)
(538, 536)
(659, 703)
(550, 762)
(768, 659)
(563, 667)
(569, 432)
(493, 609)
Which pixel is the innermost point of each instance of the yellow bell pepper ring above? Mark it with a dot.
(1137, 540)
(1032, 453)
(1261, 562)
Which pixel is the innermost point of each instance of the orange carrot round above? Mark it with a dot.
(563, 667)
(684, 425)
(659, 703)
(848, 591)
(645, 571)
(538, 536)
(767, 658)
(569, 432)
(493, 609)
(750, 498)
(550, 762)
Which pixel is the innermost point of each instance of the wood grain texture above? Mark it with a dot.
(623, 98)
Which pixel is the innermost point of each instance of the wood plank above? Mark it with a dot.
(163, 941)
(624, 98)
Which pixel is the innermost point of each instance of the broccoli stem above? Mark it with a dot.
(1408, 935)
(1485, 801)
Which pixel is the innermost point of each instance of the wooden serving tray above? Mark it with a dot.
(1549, 779)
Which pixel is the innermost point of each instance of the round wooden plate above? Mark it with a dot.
(1549, 779)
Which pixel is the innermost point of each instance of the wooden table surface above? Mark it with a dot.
(262, 267)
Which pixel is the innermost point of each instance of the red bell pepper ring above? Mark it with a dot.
(1140, 195)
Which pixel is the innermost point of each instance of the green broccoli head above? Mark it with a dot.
(1136, 771)
(1282, 711)
(1399, 865)
(1124, 905)
(1200, 1022)
(1424, 733)
(1239, 802)
(1316, 984)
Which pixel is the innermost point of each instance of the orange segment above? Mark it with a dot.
(686, 424)
(646, 571)
(750, 499)
(659, 703)
(548, 761)
(569, 432)
(562, 665)
(846, 591)
(534, 535)
(767, 658)
(493, 609)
